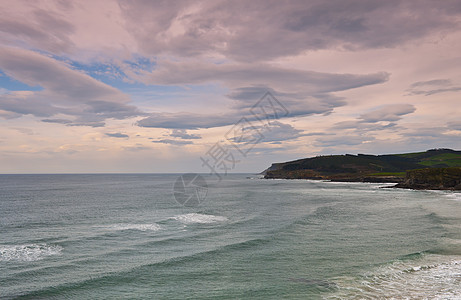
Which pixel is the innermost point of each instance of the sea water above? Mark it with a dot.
(124, 236)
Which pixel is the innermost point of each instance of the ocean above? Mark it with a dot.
(124, 236)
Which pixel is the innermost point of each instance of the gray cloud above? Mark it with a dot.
(55, 77)
(310, 94)
(117, 135)
(434, 82)
(431, 87)
(136, 148)
(435, 132)
(89, 124)
(258, 31)
(24, 104)
(27, 131)
(263, 30)
(454, 125)
(277, 132)
(392, 112)
(238, 76)
(357, 131)
(8, 114)
(435, 91)
(187, 120)
(65, 91)
(273, 133)
(43, 30)
(182, 134)
(196, 121)
(58, 121)
(173, 142)
(361, 126)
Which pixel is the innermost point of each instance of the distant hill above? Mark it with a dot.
(364, 167)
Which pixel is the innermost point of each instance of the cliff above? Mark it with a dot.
(432, 179)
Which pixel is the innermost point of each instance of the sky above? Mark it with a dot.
(223, 86)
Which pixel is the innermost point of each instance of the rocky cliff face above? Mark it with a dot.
(433, 179)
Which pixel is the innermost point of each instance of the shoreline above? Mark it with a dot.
(397, 185)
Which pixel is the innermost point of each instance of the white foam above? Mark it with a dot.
(354, 183)
(454, 196)
(140, 227)
(198, 218)
(403, 280)
(28, 252)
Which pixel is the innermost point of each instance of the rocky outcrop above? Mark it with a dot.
(432, 179)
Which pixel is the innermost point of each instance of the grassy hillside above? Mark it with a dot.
(364, 167)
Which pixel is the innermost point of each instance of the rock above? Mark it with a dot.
(432, 179)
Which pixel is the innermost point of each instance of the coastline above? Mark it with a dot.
(420, 179)
(434, 169)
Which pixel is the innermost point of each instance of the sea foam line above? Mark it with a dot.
(130, 226)
(28, 252)
(192, 218)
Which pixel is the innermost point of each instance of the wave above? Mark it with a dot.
(28, 252)
(140, 227)
(194, 218)
(431, 277)
(130, 274)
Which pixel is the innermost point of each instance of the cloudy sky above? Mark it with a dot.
(158, 86)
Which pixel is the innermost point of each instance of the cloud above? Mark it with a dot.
(237, 75)
(24, 103)
(421, 132)
(392, 112)
(182, 134)
(65, 91)
(364, 127)
(58, 121)
(434, 82)
(117, 135)
(262, 30)
(431, 87)
(178, 137)
(435, 91)
(309, 93)
(8, 114)
(344, 140)
(255, 31)
(173, 142)
(454, 125)
(187, 120)
(46, 30)
(89, 124)
(277, 132)
(136, 148)
(195, 121)
(35, 69)
(27, 131)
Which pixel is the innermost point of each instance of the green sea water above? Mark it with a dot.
(124, 237)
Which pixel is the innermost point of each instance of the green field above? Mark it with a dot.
(397, 174)
(447, 159)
